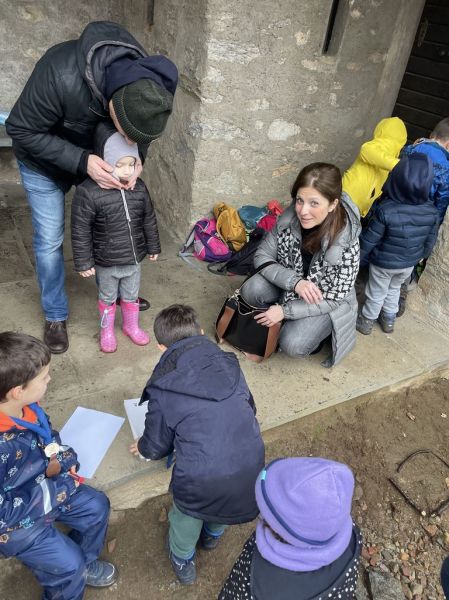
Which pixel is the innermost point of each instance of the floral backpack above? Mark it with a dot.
(205, 242)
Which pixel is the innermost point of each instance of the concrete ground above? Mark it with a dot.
(284, 389)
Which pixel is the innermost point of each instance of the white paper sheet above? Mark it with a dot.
(90, 433)
(136, 416)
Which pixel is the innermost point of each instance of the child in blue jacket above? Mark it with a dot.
(39, 486)
(199, 405)
(437, 149)
(402, 230)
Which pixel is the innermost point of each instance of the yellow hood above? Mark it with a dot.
(363, 181)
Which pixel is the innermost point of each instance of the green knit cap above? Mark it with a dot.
(142, 109)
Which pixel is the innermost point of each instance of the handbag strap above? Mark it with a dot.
(267, 264)
(272, 339)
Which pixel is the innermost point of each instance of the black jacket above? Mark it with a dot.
(403, 225)
(261, 580)
(200, 406)
(52, 123)
(101, 232)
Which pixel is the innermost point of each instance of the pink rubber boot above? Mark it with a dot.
(108, 343)
(130, 323)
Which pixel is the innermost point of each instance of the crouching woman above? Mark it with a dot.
(312, 258)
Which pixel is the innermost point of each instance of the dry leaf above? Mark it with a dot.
(163, 515)
(443, 415)
(411, 416)
(111, 545)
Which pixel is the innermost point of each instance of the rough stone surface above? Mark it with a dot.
(253, 79)
(263, 98)
(431, 298)
(385, 587)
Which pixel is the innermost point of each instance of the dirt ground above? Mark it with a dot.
(372, 435)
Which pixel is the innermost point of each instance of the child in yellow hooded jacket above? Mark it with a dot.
(364, 179)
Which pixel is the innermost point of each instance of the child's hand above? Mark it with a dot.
(134, 450)
(88, 273)
(153, 257)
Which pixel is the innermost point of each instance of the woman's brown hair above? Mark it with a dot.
(326, 179)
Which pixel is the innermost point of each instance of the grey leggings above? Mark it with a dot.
(297, 338)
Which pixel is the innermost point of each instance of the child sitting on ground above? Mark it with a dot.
(305, 546)
(199, 406)
(363, 181)
(38, 484)
(402, 230)
(437, 149)
(112, 232)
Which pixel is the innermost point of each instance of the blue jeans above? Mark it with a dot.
(47, 204)
(59, 561)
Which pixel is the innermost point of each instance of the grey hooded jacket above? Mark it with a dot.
(337, 263)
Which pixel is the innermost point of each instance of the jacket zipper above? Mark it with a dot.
(128, 220)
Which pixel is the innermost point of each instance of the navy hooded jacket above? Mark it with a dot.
(199, 405)
(403, 225)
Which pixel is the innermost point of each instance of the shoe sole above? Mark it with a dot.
(365, 332)
(106, 585)
(57, 351)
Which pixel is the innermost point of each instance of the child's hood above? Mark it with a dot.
(110, 145)
(411, 180)
(391, 132)
(6, 423)
(196, 367)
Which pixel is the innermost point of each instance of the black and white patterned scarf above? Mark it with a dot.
(334, 281)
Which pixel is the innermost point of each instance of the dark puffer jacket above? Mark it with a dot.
(403, 225)
(52, 123)
(101, 232)
(254, 578)
(26, 494)
(200, 406)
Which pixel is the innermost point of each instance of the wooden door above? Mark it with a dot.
(423, 98)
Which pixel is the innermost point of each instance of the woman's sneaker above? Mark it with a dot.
(364, 325)
(185, 570)
(101, 573)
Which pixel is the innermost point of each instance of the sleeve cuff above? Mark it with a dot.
(82, 165)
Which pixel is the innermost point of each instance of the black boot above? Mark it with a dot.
(55, 336)
(143, 304)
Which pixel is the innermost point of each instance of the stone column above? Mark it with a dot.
(431, 299)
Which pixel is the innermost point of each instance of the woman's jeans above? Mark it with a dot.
(298, 337)
(47, 204)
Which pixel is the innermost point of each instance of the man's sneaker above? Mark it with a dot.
(101, 573)
(185, 570)
(209, 541)
(386, 322)
(55, 336)
(364, 325)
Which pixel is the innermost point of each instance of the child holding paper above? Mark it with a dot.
(199, 405)
(39, 485)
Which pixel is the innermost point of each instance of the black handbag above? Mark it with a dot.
(236, 325)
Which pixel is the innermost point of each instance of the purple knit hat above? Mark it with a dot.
(307, 502)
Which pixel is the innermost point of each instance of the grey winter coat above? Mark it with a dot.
(333, 269)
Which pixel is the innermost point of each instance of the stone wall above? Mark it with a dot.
(431, 299)
(258, 99)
